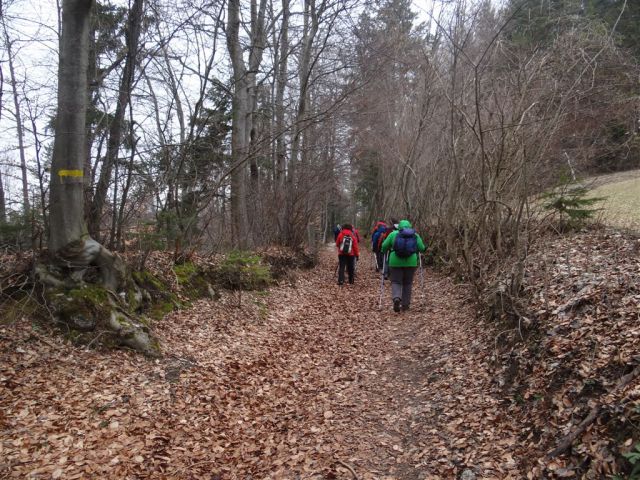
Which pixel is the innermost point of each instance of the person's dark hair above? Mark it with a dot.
(347, 226)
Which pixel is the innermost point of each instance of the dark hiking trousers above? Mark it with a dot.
(348, 261)
(401, 283)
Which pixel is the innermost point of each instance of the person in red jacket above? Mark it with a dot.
(348, 252)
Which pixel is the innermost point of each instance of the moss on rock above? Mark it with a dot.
(156, 298)
(243, 271)
(94, 316)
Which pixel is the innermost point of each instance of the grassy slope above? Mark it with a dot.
(622, 205)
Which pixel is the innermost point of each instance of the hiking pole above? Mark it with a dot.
(382, 283)
(421, 279)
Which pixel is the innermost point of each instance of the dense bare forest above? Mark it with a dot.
(153, 153)
(220, 125)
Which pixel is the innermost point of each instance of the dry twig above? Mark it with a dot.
(350, 468)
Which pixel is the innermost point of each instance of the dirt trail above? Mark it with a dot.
(309, 382)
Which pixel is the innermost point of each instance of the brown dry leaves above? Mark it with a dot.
(306, 382)
(585, 299)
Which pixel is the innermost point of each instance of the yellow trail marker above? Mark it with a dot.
(70, 173)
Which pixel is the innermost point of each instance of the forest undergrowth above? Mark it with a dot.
(314, 381)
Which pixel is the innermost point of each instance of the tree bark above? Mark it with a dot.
(67, 195)
(243, 107)
(310, 29)
(279, 107)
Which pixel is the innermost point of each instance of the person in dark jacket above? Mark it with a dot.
(403, 262)
(376, 235)
(336, 232)
(348, 253)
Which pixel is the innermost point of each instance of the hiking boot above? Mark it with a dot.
(340, 283)
(396, 305)
(405, 308)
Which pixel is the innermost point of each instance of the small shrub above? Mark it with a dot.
(571, 203)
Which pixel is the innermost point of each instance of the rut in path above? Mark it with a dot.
(308, 382)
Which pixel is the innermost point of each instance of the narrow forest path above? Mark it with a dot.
(305, 382)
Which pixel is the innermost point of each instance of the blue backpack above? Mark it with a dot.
(375, 238)
(405, 243)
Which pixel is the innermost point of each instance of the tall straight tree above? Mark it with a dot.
(67, 196)
(17, 112)
(244, 94)
(132, 35)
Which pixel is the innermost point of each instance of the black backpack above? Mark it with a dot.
(346, 245)
(405, 243)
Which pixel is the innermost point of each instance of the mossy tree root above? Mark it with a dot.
(103, 312)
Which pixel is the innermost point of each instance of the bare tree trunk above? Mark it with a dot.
(119, 236)
(310, 29)
(40, 171)
(281, 81)
(115, 129)
(243, 106)
(71, 247)
(67, 196)
(3, 205)
(68, 237)
(18, 116)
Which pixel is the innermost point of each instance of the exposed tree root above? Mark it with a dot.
(101, 307)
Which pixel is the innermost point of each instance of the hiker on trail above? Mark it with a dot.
(405, 245)
(390, 228)
(336, 232)
(348, 253)
(376, 234)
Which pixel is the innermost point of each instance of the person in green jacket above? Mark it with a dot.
(405, 245)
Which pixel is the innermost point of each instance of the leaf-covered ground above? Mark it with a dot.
(315, 382)
(579, 368)
(307, 382)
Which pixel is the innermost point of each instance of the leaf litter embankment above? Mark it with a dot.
(306, 382)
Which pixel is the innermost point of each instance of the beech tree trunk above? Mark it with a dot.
(67, 195)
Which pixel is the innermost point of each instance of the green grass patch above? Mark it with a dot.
(622, 205)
